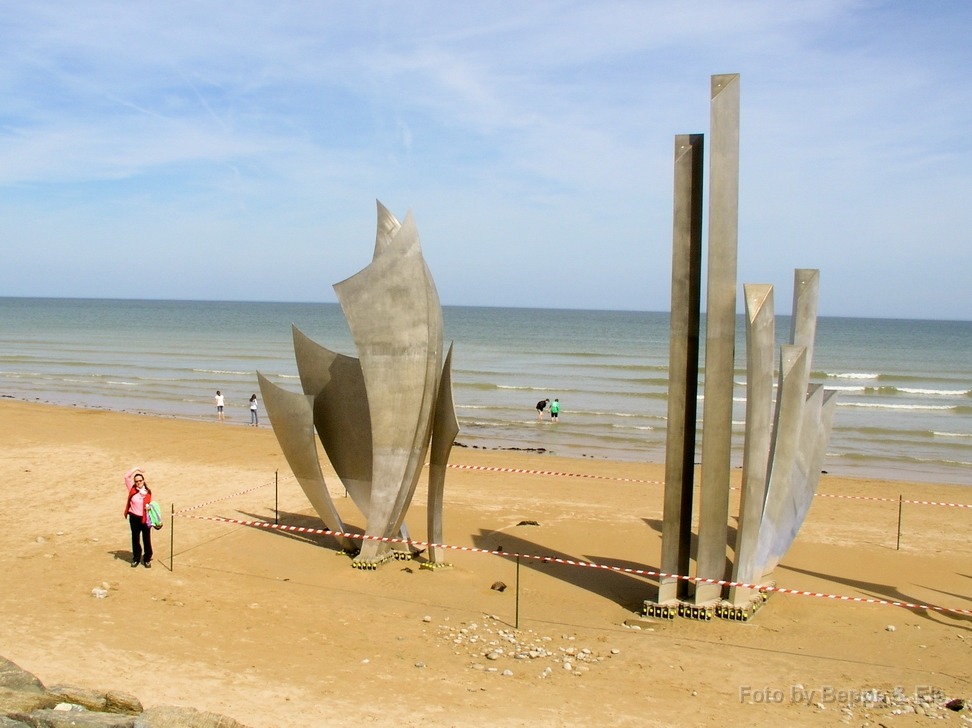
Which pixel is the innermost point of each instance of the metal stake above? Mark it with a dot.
(517, 619)
(276, 501)
(897, 546)
(171, 533)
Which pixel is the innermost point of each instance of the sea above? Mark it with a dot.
(904, 407)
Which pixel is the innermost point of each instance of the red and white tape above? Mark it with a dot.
(226, 497)
(551, 472)
(583, 564)
(523, 471)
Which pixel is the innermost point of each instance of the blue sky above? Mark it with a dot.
(234, 150)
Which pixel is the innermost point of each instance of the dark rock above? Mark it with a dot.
(6, 722)
(90, 699)
(957, 704)
(498, 586)
(170, 716)
(528, 523)
(75, 719)
(118, 702)
(17, 701)
(13, 677)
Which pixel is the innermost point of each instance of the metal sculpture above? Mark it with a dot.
(683, 366)
(376, 414)
(783, 451)
(760, 346)
(720, 333)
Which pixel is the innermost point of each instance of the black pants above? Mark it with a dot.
(141, 533)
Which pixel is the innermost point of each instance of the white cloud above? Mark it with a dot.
(549, 124)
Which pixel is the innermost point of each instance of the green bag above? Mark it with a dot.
(154, 515)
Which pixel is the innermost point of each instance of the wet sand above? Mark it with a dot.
(276, 629)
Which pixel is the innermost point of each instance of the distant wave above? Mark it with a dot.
(222, 371)
(892, 390)
(878, 405)
(624, 367)
(574, 413)
(952, 434)
(851, 375)
(935, 392)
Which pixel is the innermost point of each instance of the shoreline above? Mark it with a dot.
(491, 446)
(276, 629)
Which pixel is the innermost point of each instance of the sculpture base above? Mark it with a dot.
(669, 610)
(371, 563)
(742, 613)
(707, 612)
(434, 565)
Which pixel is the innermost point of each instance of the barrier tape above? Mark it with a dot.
(550, 472)
(584, 564)
(661, 482)
(894, 500)
(227, 497)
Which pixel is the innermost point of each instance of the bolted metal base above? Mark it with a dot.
(434, 565)
(700, 613)
(707, 612)
(661, 611)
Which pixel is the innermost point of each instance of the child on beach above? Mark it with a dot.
(136, 511)
(219, 406)
(555, 410)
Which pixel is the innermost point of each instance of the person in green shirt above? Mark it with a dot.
(554, 410)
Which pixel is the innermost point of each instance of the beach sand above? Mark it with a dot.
(276, 629)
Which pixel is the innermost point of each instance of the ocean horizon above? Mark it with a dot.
(904, 404)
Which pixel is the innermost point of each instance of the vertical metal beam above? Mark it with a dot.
(760, 350)
(791, 396)
(683, 365)
(803, 324)
(720, 334)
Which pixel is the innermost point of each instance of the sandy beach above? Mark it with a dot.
(276, 629)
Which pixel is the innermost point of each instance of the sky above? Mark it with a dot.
(235, 150)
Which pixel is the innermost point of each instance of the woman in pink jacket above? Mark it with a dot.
(136, 511)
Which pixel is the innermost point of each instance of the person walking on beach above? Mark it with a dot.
(219, 406)
(136, 511)
(555, 410)
(254, 417)
(541, 406)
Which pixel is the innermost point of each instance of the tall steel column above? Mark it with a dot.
(720, 334)
(683, 365)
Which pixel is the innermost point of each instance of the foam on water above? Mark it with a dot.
(903, 386)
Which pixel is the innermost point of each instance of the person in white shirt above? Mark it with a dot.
(219, 406)
(254, 417)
